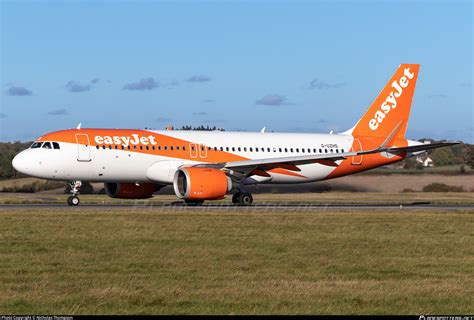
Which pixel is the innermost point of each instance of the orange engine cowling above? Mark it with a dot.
(130, 190)
(201, 184)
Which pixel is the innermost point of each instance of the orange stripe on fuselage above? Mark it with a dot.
(213, 156)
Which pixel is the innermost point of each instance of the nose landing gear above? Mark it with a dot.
(73, 200)
(242, 198)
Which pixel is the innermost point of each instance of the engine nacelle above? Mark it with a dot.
(130, 190)
(201, 183)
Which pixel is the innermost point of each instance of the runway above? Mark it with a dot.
(256, 207)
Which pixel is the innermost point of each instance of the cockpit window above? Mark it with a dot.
(55, 145)
(36, 145)
(47, 145)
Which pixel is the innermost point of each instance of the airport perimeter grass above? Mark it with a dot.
(76, 261)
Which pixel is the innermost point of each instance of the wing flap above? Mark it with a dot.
(290, 163)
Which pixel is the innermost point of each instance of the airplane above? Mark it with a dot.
(208, 165)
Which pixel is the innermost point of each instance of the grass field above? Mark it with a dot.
(74, 261)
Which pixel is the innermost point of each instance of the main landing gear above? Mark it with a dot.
(73, 200)
(242, 198)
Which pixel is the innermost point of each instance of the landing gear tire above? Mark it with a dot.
(73, 201)
(193, 203)
(242, 199)
(235, 197)
(246, 199)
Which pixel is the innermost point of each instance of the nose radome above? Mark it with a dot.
(20, 163)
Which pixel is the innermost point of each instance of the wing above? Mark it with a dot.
(245, 168)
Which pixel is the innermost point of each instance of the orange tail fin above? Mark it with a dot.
(389, 113)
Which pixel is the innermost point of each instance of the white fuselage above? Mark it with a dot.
(105, 163)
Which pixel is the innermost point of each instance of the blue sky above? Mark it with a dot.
(288, 65)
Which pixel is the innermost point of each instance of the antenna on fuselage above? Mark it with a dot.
(79, 126)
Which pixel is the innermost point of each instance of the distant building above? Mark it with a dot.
(425, 160)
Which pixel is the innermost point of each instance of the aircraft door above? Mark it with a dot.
(193, 151)
(203, 151)
(356, 146)
(83, 148)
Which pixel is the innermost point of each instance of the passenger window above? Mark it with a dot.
(342, 150)
(222, 149)
(291, 149)
(297, 150)
(245, 148)
(250, 149)
(135, 147)
(171, 148)
(97, 147)
(55, 145)
(47, 145)
(153, 148)
(184, 148)
(226, 148)
(166, 147)
(36, 145)
(103, 147)
(286, 149)
(233, 148)
(332, 151)
(159, 147)
(116, 147)
(147, 148)
(238, 148)
(325, 150)
(110, 147)
(202, 148)
(123, 147)
(309, 150)
(320, 151)
(268, 149)
(279, 149)
(337, 150)
(215, 148)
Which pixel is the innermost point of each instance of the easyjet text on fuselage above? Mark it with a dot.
(133, 139)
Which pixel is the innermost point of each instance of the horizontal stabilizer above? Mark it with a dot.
(416, 148)
(422, 147)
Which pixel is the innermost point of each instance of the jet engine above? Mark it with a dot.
(196, 184)
(130, 190)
